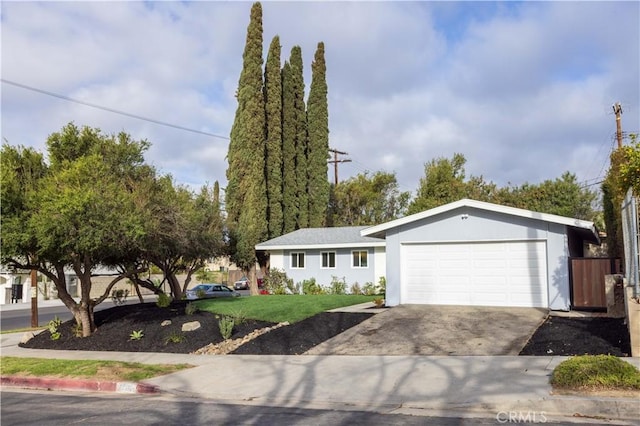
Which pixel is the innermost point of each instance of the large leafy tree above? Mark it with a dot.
(80, 214)
(183, 230)
(443, 182)
(368, 200)
(318, 146)
(246, 203)
(273, 155)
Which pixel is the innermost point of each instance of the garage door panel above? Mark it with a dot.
(482, 274)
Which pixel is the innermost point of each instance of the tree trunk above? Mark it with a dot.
(174, 285)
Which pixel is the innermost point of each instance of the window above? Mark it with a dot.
(359, 259)
(297, 260)
(328, 259)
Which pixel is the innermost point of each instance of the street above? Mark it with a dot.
(63, 408)
(21, 318)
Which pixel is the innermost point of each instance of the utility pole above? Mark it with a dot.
(335, 162)
(617, 109)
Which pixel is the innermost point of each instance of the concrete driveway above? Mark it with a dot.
(438, 330)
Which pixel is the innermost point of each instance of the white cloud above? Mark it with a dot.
(523, 90)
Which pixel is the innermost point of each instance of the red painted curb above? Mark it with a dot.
(75, 384)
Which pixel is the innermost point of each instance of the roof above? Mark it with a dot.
(380, 230)
(310, 238)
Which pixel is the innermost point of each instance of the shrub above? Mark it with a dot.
(191, 308)
(53, 328)
(136, 335)
(311, 287)
(238, 316)
(201, 293)
(276, 281)
(379, 302)
(338, 286)
(355, 289)
(369, 289)
(382, 286)
(596, 372)
(163, 300)
(226, 327)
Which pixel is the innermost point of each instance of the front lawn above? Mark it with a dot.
(276, 308)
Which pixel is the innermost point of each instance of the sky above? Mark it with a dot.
(524, 90)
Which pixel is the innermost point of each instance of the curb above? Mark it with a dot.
(78, 385)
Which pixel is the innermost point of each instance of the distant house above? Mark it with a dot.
(324, 253)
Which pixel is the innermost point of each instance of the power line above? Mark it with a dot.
(115, 111)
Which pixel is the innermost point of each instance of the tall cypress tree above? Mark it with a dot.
(301, 139)
(273, 158)
(318, 147)
(246, 190)
(289, 205)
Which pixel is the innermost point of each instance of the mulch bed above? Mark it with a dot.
(557, 336)
(115, 326)
(580, 336)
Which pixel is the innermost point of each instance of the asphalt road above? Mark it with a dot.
(40, 408)
(21, 318)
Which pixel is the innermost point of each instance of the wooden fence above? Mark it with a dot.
(587, 281)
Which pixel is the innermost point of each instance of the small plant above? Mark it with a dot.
(379, 302)
(595, 372)
(382, 286)
(163, 300)
(369, 289)
(201, 293)
(174, 337)
(53, 328)
(276, 282)
(338, 286)
(136, 335)
(311, 287)
(226, 327)
(191, 308)
(355, 289)
(77, 330)
(239, 317)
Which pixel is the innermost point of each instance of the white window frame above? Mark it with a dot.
(298, 255)
(359, 265)
(322, 257)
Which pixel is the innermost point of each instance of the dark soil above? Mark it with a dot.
(556, 336)
(580, 336)
(115, 326)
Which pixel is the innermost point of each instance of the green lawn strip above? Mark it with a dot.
(85, 369)
(596, 372)
(278, 308)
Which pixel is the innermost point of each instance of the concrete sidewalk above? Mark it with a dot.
(480, 386)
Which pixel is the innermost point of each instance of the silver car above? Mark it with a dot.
(210, 290)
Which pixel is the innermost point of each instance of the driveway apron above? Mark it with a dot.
(438, 330)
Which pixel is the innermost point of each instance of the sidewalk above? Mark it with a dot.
(478, 386)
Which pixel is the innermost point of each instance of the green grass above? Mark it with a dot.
(85, 369)
(274, 308)
(596, 372)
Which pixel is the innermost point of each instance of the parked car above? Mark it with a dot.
(243, 283)
(210, 290)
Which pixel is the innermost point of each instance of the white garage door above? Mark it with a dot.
(479, 274)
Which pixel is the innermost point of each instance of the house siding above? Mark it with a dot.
(467, 224)
(280, 259)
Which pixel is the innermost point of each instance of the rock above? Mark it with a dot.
(229, 345)
(191, 326)
(27, 336)
(165, 323)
